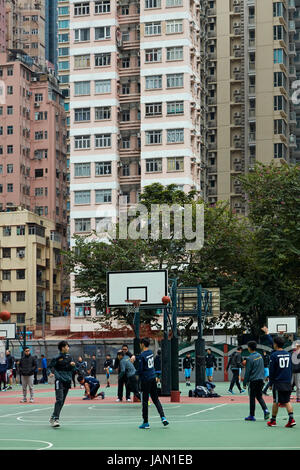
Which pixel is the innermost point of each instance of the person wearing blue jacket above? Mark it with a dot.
(254, 378)
(147, 376)
(280, 381)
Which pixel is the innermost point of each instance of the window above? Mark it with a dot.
(64, 65)
(82, 310)
(81, 9)
(39, 173)
(102, 140)
(20, 229)
(82, 169)
(280, 56)
(20, 317)
(175, 53)
(152, 4)
(63, 37)
(153, 109)
(10, 71)
(280, 151)
(82, 197)
(5, 297)
(82, 88)
(10, 149)
(6, 275)
(279, 79)
(103, 112)
(279, 126)
(175, 136)
(103, 32)
(174, 3)
(20, 274)
(175, 164)
(82, 61)
(279, 33)
(174, 27)
(175, 80)
(82, 114)
(153, 82)
(10, 168)
(10, 188)
(153, 55)
(61, 11)
(21, 296)
(102, 6)
(10, 90)
(38, 97)
(102, 86)
(64, 24)
(103, 196)
(280, 103)
(82, 142)
(153, 29)
(153, 165)
(103, 168)
(153, 137)
(82, 34)
(10, 110)
(7, 231)
(278, 9)
(175, 107)
(82, 225)
(102, 59)
(6, 252)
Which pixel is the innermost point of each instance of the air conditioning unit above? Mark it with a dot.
(237, 115)
(236, 92)
(236, 25)
(236, 2)
(36, 105)
(21, 254)
(237, 137)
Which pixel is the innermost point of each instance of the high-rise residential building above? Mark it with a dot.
(2, 26)
(30, 274)
(63, 70)
(32, 141)
(26, 28)
(51, 32)
(251, 56)
(134, 107)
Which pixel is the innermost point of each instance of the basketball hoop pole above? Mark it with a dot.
(136, 325)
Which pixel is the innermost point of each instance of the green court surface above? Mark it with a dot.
(94, 425)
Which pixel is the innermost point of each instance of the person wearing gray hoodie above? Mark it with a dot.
(254, 378)
(127, 370)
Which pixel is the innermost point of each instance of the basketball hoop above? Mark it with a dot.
(133, 305)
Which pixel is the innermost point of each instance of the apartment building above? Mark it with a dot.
(2, 26)
(63, 71)
(251, 52)
(26, 28)
(134, 107)
(32, 141)
(30, 274)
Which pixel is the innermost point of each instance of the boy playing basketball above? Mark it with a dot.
(148, 383)
(63, 366)
(280, 381)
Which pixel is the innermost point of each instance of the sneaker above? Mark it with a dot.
(250, 418)
(230, 391)
(128, 399)
(118, 399)
(164, 421)
(102, 395)
(272, 423)
(31, 400)
(144, 426)
(55, 423)
(107, 386)
(86, 398)
(267, 414)
(242, 391)
(290, 423)
(23, 401)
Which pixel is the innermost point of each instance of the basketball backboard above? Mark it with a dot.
(279, 325)
(7, 330)
(147, 286)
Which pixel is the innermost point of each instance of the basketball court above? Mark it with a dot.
(195, 423)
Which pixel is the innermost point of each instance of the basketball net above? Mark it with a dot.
(133, 305)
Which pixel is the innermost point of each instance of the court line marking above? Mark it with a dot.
(50, 444)
(25, 412)
(207, 409)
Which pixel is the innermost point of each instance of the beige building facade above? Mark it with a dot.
(30, 268)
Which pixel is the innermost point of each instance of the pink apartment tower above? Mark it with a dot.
(32, 140)
(134, 108)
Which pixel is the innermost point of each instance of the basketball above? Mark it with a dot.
(5, 315)
(166, 299)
